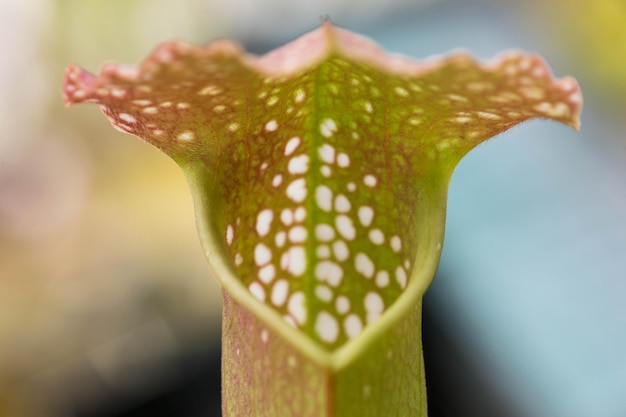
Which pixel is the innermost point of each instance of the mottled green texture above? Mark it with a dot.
(319, 174)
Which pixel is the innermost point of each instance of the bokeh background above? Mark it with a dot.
(107, 307)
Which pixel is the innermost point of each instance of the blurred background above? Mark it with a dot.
(108, 309)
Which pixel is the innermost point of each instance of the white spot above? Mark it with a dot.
(271, 126)
(366, 215)
(342, 204)
(401, 277)
(291, 145)
(374, 302)
(294, 260)
(324, 293)
(264, 166)
(370, 180)
(186, 136)
(280, 239)
(230, 233)
(238, 259)
(262, 254)
(368, 107)
(340, 250)
(297, 234)
(330, 272)
(328, 127)
(407, 264)
(345, 227)
(150, 110)
(267, 273)
(290, 321)
(326, 171)
(300, 95)
(377, 237)
(296, 190)
(382, 278)
(298, 164)
(343, 160)
(277, 180)
(401, 91)
(324, 232)
(257, 291)
(327, 153)
(286, 216)
(300, 214)
(323, 251)
(233, 127)
(342, 304)
(296, 307)
(364, 265)
(352, 326)
(210, 90)
(272, 100)
(264, 336)
(351, 187)
(326, 327)
(324, 197)
(396, 243)
(264, 222)
(280, 292)
(127, 118)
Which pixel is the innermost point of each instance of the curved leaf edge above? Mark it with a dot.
(431, 218)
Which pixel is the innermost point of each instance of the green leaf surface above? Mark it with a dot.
(320, 174)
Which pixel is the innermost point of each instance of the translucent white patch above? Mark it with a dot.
(324, 293)
(257, 291)
(368, 107)
(324, 197)
(364, 265)
(326, 171)
(238, 259)
(280, 292)
(329, 272)
(342, 304)
(328, 127)
(396, 243)
(370, 180)
(271, 126)
(299, 214)
(127, 118)
(296, 190)
(327, 153)
(351, 187)
(277, 180)
(366, 215)
(280, 239)
(297, 234)
(382, 278)
(262, 254)
(322, 251)
(340, 250)
(296, 307)
(230, 234)
(299, 95)
(291, 145)
(343, 160)
(186, 136)
(342, 204)
(353, 326)
(264, 336)
(286, 216)
(345, 227)
(267, 273)
(401, 277)
(326, 327)
(324, 232)
(376, 236)
(374, 302)
(298, 164)
(264, 222)
(294, 260)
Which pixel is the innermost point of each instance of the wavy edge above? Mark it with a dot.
(310, 49)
